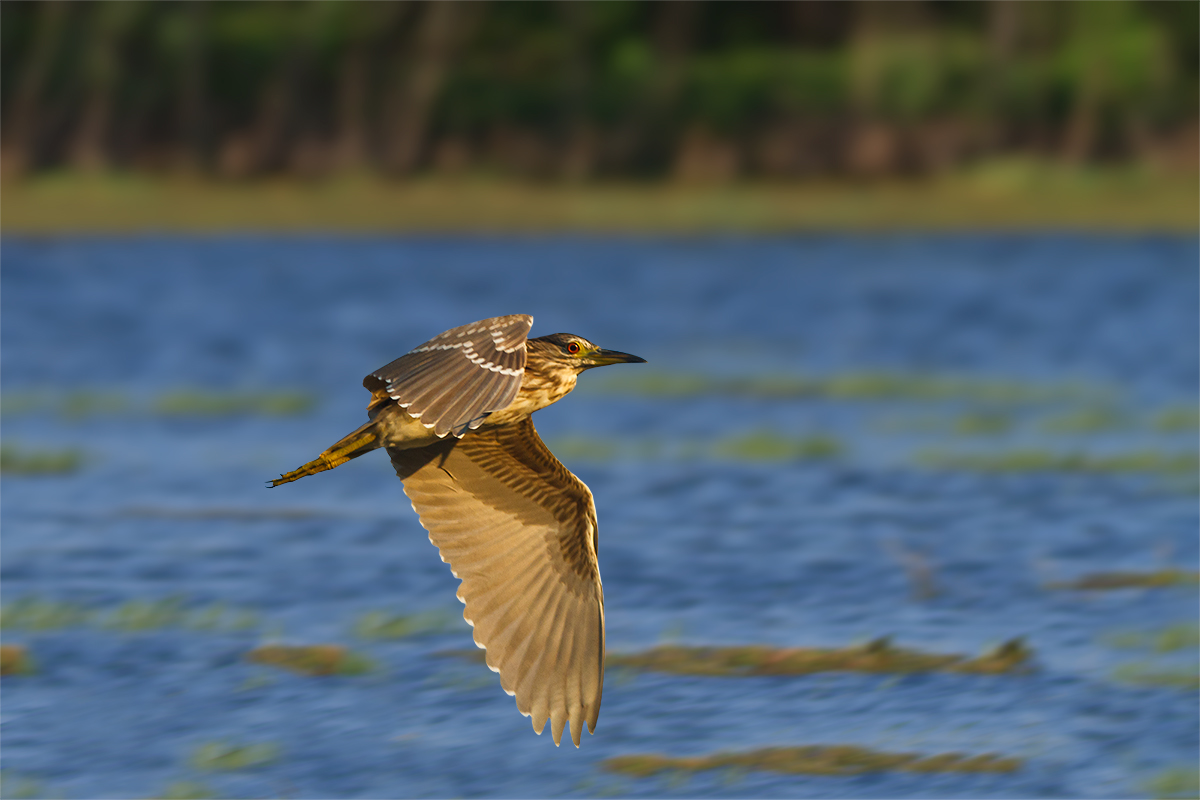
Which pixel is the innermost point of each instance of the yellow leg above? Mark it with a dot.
(353, 446)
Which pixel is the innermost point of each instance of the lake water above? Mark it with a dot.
(818, 453)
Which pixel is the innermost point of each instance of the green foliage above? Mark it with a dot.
(229, 757)
(638, 77)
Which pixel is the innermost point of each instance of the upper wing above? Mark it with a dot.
(519, 530)
(455, 379)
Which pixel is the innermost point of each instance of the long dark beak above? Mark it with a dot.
(602, 358)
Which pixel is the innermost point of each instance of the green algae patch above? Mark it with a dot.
(1108, 581)
(14, 786)
(186, 790)
(1019, 461)
(1182, 636)
(313, 659)
(764, 446)
(1087, 420)
(861, 385)
(878, 656)
(17, 460)
(1177, 419)
(1175, 782)
(135, 616)
(813, 760)
(32, 614)
(138, 616)
(756, 446)
(229, 757)
(1141, 674)
(187, 402)
(382, 625)
(15, 660)
(194, 403)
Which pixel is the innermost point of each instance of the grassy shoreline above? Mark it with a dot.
(1004, 196)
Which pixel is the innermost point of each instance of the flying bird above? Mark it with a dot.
(517, 528)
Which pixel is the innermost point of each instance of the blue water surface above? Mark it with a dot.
(695, 548)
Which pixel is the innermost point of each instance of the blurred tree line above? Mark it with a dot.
(707, 90)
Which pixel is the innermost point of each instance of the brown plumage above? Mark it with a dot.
(517, 528)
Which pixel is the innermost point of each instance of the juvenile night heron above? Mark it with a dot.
(517, 528)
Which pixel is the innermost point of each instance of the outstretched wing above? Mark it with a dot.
(519, 530)
(453, 381)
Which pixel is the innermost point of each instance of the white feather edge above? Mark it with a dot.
(463, 600)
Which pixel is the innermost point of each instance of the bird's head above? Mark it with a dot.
(566, 351)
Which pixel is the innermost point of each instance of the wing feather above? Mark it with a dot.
(453, 381)
(518, 529)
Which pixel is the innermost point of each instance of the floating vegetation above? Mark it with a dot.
(1183, 636)
(1177, 419)
(178, 403)
(186, 790)
(381, 625)
(226, 756)
(1176, 782)
(1151, 675)
(1093, 419)
(14, 786)
(813, 760)
(32, 614)
(879, 655)
(1144, 461)
(854, 386)
(15, 660)
(981, 424)
(765, 446)
(313, 659)
(15, 460)
(755, 446)
(1105, 581)
(197, 403)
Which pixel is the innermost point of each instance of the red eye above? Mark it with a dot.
(573, 348)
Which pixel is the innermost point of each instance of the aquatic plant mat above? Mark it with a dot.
(876, 656)
(813, 760)
(753, 660)
(1106, 581)
(15, 660)
(315, 659)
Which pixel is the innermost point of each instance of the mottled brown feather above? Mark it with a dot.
(453, 381)
(519, 530)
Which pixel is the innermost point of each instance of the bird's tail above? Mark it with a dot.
(363, 440)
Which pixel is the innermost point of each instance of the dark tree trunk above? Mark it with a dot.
(442, 29)
(24, 115)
